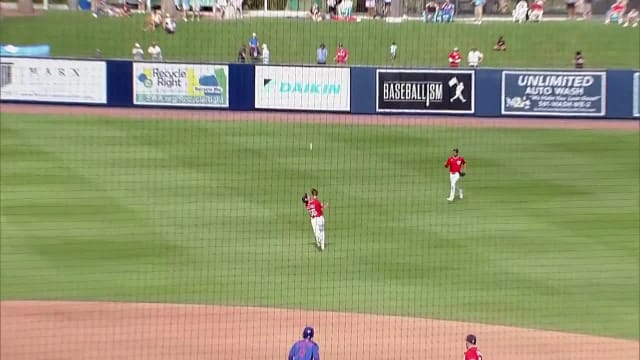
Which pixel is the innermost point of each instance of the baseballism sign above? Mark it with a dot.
(52, 80)
(636, 94)
(553, 93)
(180, 85)
(302, 88)
(428, 91)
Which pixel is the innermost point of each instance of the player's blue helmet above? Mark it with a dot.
(307, 333)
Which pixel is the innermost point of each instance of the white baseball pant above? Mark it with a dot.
(317, 223)
(454, 177)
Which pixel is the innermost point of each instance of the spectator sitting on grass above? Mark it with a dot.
(430, 11)
(393, 51)
(137, 52)
(447, 12)
(169, 25)
(501, 45)
(520, 12)
(265, 54)
(537, 10)
(153, 20)
(242, 54)
(474, 58)
(254, 46)
(578, 60)
(321, 55)
(633, 17)
(616, 13)
(155, 51)
(342, 55)
(332, 6)
(315, 13)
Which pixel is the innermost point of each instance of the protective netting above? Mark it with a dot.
(167, 226)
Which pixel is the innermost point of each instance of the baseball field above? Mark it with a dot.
(179, 234)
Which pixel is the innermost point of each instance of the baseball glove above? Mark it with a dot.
(305, 199)
(462, 173)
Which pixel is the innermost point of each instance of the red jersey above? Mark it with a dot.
(472, 354)
(454, 59)
(618, 7)
(537, 5)
(314, 207)
(455, 164)
(342, 55)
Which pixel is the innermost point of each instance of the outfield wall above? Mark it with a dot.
(613, 94)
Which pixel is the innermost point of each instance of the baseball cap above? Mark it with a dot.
(471, 339)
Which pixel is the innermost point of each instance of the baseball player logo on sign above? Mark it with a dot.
(315, 208)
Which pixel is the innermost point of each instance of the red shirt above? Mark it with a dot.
(342, 55)
(537, 5)
(618, 7)
(314, 207)
(455, 164)
(472, 354)
(454, 59)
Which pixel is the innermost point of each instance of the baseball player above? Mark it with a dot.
(316, 212)
(456, 165)
(472, 352)
(305, 349)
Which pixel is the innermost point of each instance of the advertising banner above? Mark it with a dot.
(187, 85)
(303, 88)
(53, 80)
(425, 91)
(553, 93)
(636, 94)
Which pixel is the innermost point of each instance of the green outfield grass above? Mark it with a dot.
(550, 44)
(210, 212)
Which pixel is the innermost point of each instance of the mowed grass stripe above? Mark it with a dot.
(209, 212)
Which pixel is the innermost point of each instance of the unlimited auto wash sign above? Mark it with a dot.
(425, 91)
(302, 88)
(553, 93)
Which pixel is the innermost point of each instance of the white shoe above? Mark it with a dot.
(449, 199)
(461, 196)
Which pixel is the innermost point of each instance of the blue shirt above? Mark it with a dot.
(478, 2)
(322, 55)
(253, 42)
(304, 350)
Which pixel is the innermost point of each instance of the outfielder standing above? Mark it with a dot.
(456, 165)
(305, 349)
(316, 212)
(472, 352)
